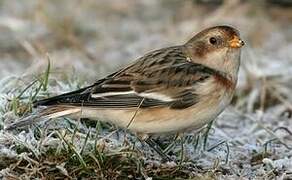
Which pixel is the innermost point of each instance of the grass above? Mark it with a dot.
(71, 149)
(66, 148)
(250, 140)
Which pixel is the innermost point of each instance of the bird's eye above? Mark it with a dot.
(213, 40)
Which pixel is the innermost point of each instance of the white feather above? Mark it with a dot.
(157, 96)
(111, 94)
(154, 95)
(63, 113)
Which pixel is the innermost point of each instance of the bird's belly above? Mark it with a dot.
(162, 120)
(167, 121)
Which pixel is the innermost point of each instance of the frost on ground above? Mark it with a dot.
(252, 139)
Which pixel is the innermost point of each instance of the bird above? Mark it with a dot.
(169, 90)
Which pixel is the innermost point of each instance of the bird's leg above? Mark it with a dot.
(152, 144)
(170, 146)
(206, 134)
(179, 136)
(158, 149)
(182, 155)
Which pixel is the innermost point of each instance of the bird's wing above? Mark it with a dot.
(162, 78)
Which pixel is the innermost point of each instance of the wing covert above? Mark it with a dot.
(162, 78)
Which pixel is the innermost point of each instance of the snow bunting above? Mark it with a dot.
(173, 89)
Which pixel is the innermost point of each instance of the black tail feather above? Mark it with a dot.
(64, 98)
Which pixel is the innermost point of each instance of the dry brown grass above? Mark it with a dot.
(88, 39)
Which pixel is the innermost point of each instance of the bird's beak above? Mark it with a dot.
(236, 42)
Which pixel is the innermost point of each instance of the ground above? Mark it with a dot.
(51, 47)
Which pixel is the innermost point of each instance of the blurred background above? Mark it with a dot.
(94, 38)
(88, 39)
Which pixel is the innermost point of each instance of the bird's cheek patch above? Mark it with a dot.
(202, 50)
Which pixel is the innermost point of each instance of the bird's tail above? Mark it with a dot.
(44, 114)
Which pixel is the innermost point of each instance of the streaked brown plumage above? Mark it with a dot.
(168, 90)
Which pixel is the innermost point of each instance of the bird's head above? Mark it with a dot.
(218, 48)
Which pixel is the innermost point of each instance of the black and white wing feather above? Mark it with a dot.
(162, 78)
